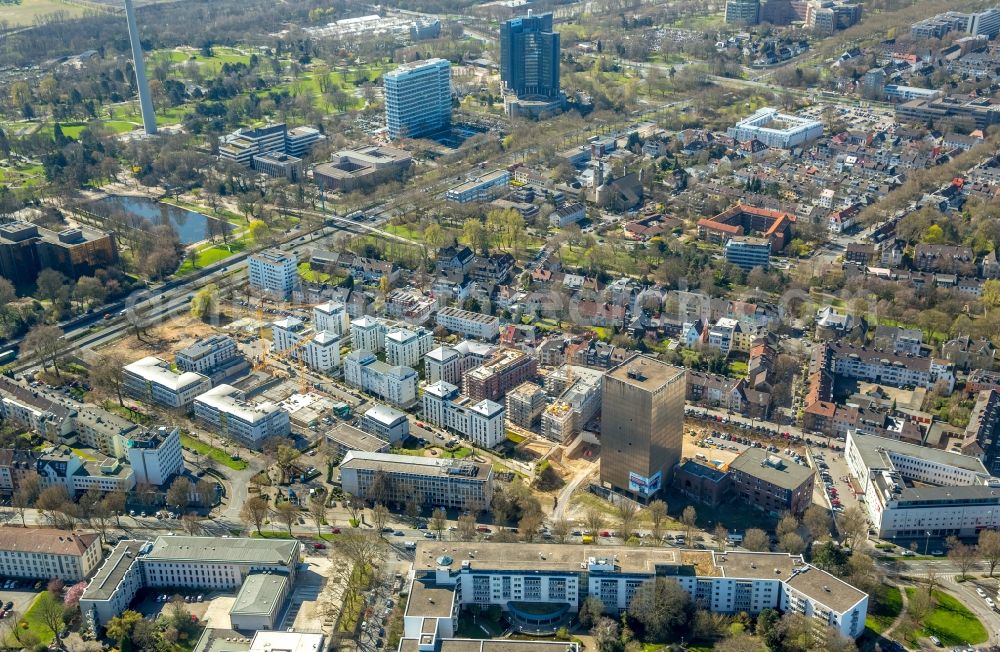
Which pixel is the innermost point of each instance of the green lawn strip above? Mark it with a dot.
(33, 618)
(211, 255)
(885, 611)
(951, 621)
(217, 454)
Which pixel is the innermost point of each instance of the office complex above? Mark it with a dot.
(273, 149)
(394, 384)
(529, 65)
(748, 252)
(984, 111)
(186, 562)
(154, 455)
(912, 491)
(48, 553)
(470, 324)
(642, 415)
(227, 411)
(152, 380)
(26, 249)
(539, 586)
(742, 12)
(740, 220)
(449, 363)
(481, 189)
(354, 169)
(507, 369)
(985, 23)
(452, 484)
(776, 129)
(482, 422)
(418, 99)
(771, 483)
(274, 272)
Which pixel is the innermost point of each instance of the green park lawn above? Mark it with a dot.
(217, 454)
(885, 611)
(951, 621)
(33, 619)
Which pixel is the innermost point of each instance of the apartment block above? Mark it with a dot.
(332, 316)
(507, 369)
(250, 423)
(772, 483)
(344, 437)
(406, 347)
(525, 404)
(151, 379)
(318, 350)
(482, 422)
(274, 272)
(481, 189)
(470, 324)
(449, 363)
(396, 385)
(215, 356)
(155, 455)
(34, 410)
(368, 334)
(776, 129)
(386, 423)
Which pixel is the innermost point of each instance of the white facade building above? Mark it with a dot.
(406, 347)
(155, 454)
(481, 422)
(332, 316)
(48, 553)
(225, 408)
(114, 586)
(367, 334)
(318, 349)
(207, 354)
(152, 380)
(393, 384)
(955, 495)
(448, 363)
(470, 324)
(509, 574)
(274, 272)
(776, 129)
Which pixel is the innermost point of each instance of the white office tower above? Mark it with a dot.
(139, 63)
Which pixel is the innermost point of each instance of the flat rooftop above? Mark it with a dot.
(227, 550)
(428, 600)
(355, 439)
(645, 372)
(102, 586)
(409, 464)
(260, 594)
(773, 469)
(873, 450)
(155, 370)
(499, 645)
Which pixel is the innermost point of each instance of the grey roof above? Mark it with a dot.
(870, 448)
(102, 586)
(959, 493)
(350, 437)
(234, 549)
(384, 414)
(757, 462)
(260, 594)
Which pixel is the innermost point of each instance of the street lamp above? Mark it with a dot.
(927, 542)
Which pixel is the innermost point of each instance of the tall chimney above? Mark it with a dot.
(139, 63)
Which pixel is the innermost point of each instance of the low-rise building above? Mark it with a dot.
(114, 586)
(481, 189)
(35, 411)
(448, 483)
(152, 379)
(771, 483)
(49, 553)
(747, 252)
(776, 129)
(225, 408)
(364, 167)
(566, 215)
(470, 324)
(259, 602)
(345, 437)
(386, 423)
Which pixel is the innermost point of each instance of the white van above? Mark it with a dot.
(410, 545)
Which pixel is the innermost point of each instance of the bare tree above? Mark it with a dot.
(107, 371)
(254, 512)
(721, 535)
(466, 527)
(594, 521)
(853, 526)
(286, 513)
(657, 511)
(628, 512)
(439, 521)
(27, 491)
(560, 529)
(380, 516)
(964, 556)
(817, 521)
(989, 548)
(689, 518)
(756, 540)
(317, 511)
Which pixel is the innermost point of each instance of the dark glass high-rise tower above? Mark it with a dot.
(529, 57)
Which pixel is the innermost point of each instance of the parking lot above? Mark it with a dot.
(20, 597)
